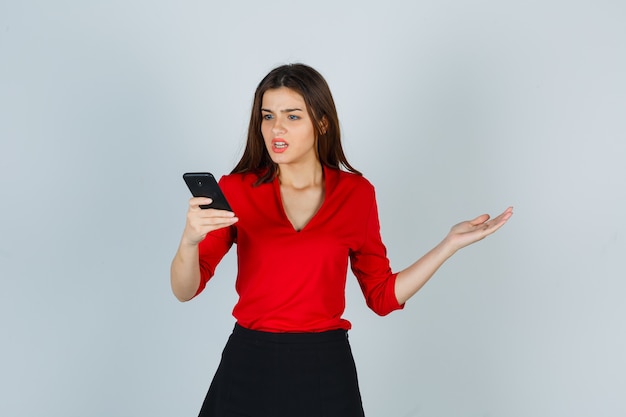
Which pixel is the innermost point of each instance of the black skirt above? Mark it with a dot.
(285, 374)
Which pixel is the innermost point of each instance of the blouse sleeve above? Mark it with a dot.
(211, 251)
(371, 267)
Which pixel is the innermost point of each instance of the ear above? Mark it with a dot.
(324, 125)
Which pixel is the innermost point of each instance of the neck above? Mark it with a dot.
(300, 177)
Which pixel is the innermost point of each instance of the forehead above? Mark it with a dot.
(282, 97)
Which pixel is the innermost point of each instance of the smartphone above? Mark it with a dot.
(203, 184)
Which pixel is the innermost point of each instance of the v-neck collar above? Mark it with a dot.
(330, 179)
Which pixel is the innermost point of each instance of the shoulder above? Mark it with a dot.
(238, 180)
(350, 184)
(241, 193)
(239, 188)
(352, 180)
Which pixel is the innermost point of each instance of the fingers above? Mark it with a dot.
(479, 220)
(504, 216)
(202, 221)
(196, 202)
(212, 221)
(471, 231)
(207, 217)
(496, 223)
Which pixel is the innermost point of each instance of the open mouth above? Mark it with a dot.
(279, 145)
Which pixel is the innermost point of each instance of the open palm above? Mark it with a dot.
(470, 231)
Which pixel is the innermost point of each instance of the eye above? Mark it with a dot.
(294, 117)
(267, 116)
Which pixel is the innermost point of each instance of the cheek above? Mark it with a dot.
(267, 138)
(265, 132)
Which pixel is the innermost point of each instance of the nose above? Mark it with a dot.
(278, 127)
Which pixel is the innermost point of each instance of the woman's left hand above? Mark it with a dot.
(468, 232)
(411, 279)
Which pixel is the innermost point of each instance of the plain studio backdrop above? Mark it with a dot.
(451, 108)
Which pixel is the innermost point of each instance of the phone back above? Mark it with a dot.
(203, 184)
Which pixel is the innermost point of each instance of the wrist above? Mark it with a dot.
(189, 244)
(446, 247)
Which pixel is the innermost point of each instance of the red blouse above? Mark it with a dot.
(294, 281)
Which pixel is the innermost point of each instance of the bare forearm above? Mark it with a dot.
(412, 279)
(185, 272)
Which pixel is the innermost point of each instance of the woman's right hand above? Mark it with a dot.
(202, 221)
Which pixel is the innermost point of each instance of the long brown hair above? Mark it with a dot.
(320, 105)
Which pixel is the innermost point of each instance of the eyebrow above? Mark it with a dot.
(282, 111)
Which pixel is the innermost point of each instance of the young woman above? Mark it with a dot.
(301, 212)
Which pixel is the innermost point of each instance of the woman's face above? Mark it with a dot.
(287, 128)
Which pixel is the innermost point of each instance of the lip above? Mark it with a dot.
(276, 147)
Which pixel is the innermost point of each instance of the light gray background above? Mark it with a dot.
(451, 108)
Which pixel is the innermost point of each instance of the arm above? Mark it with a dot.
(185, 276)
(185, 271)
(410, 280)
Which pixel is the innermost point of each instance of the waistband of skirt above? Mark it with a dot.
(288, 337)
